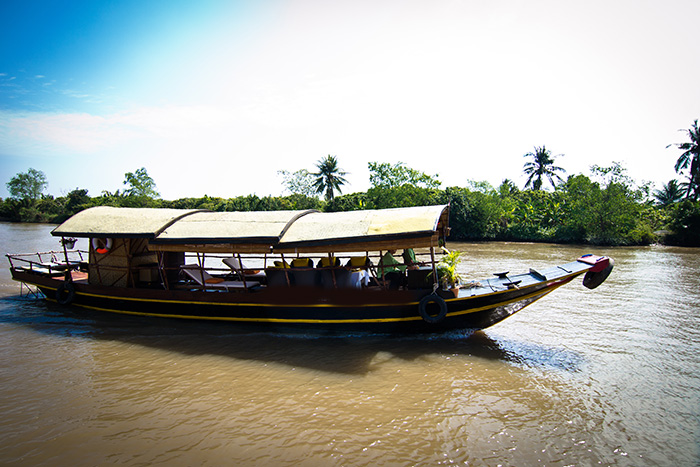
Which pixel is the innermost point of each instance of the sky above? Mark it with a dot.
(214, 97)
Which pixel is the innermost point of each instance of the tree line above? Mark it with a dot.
(604, 207)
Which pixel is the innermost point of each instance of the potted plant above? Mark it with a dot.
(69, 242)
(447, 270)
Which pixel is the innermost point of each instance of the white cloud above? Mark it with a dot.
(455, 88)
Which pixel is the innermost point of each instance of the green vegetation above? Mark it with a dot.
(300, 182)
(385, 175)
(605, 207)
(28, 186)
(542, 165)
(329, 177)
(690, 160)
(25, 195)
(140, 184)
(669, 194)
(447, 268)
(684, 224)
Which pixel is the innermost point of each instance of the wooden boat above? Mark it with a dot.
(282, 270)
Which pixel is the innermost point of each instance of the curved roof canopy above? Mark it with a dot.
(264, 231)
(230, 227)
(329, 231)
(108, 221)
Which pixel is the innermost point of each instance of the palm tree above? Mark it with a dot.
(507, 188)
(690, 157)
(670, 193)
(329, 177)
(541, 166)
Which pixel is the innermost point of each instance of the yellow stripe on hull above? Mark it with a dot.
(561, 281)
(538, 294)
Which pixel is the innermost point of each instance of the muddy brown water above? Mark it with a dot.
(603, 377)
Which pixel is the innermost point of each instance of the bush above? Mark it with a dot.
(684, 224)
(473, 215)
(351, 202)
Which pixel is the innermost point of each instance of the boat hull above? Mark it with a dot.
(313, 309)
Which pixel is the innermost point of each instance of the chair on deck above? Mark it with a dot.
(331, 274)
(207, 281)
(359, 266)
(237, 267)
(278, 275)
(303, 273)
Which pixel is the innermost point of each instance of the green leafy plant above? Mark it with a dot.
(447, 268)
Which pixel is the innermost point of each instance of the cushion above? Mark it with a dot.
(302, 263)
(358, 262)
(326, 262)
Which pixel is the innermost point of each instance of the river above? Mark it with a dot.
(603, 377)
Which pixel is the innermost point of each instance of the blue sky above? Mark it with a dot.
(214, 97)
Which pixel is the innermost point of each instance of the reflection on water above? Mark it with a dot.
(582, 377)
(341, 354)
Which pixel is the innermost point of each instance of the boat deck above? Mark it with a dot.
(500, 282)
(505, 281)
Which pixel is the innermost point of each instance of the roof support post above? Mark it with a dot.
(381, 267)
(200, 260)
(432, 264)
(97, 262)
(241, 272)
(68, 276)
(285, 269)
(331, 262)
(161, 270)
(129, 257)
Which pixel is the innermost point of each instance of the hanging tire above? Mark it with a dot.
(593, 279)
(65, 293)
(423, 309)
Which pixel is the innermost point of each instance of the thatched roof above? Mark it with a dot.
(230, 227)
(108, 221)
(262, 231)
(363, 228)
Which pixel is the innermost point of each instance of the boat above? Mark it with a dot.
(281, 270)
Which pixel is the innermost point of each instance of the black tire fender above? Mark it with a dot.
(423, 308)
(65, 293)
(593, 279)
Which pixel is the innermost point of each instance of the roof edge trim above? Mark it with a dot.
(293, 220)
(160, 231)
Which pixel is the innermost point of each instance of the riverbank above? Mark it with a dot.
(580, 211)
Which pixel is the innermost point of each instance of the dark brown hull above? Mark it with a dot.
(320, 310)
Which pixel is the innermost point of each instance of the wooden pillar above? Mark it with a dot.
(432, 264)
(332, 265)
(241, 272)
(285, 269)
(68, 276)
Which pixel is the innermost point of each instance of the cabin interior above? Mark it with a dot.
(131, 263)
(134, 263)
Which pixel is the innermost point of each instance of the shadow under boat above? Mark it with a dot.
(337, 353)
